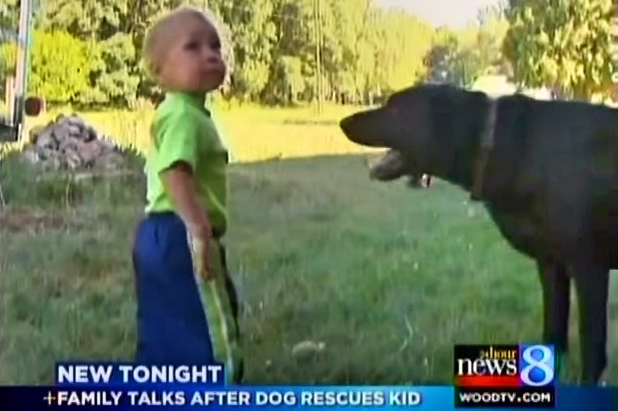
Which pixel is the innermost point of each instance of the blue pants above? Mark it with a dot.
(171, 323)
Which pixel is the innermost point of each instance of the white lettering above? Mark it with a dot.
(84, 374)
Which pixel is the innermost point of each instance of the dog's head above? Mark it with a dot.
(421, 124)
(403, 119)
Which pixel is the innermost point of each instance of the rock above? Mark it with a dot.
(73, 159)
(92, 134)
(66, 145)
(46, 139)
(69, 143)
(90, 151)
(307, 349)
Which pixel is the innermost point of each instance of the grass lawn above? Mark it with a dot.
(387, 277)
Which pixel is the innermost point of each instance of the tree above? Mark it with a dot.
(252, 38)
(564, 44)
(9, 12)
(441, 58)
(449, 60)
(281, 51)
(487, 42)
(60, 68)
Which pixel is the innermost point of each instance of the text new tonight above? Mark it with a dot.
(95, 374)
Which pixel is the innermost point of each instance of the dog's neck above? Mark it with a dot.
(459, 127)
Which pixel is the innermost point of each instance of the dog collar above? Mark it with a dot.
(487, 144)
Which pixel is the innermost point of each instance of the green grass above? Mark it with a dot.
(388, 278)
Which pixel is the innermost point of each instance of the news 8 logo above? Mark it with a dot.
(537, 365)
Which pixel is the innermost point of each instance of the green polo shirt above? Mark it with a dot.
(183, 131)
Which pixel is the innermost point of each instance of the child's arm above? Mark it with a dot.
(181, 186)
(175, 162)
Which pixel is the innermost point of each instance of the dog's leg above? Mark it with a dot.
(592, 283)
(556, 305)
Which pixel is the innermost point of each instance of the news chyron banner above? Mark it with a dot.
(96, 386)
(521, 376)
(203, 386)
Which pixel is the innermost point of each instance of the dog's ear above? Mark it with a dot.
(443, 99)
(429, 111)
(413, 110)
(440, 107)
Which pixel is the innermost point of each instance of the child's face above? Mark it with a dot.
(193, 62)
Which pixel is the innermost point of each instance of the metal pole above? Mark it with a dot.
(320, 48)
(318, 56)
(21, 69)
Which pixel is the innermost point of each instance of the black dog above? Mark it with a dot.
(547, 171)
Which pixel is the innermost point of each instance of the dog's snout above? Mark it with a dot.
(355, 128)
(344, 124)
(365, 128)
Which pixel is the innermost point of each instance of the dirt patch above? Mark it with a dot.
(33, 221)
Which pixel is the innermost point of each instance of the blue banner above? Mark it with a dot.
(178, 396)
(114, 373)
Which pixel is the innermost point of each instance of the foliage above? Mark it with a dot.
(62, 65)
(280, 51)
(561, 43)
(342, 51)
(8, 18)
(443, 59)
(461, 57)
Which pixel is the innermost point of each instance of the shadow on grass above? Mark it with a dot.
(386, 277)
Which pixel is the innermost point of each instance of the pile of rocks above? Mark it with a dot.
(68, 143)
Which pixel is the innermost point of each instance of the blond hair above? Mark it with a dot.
(159, 36)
